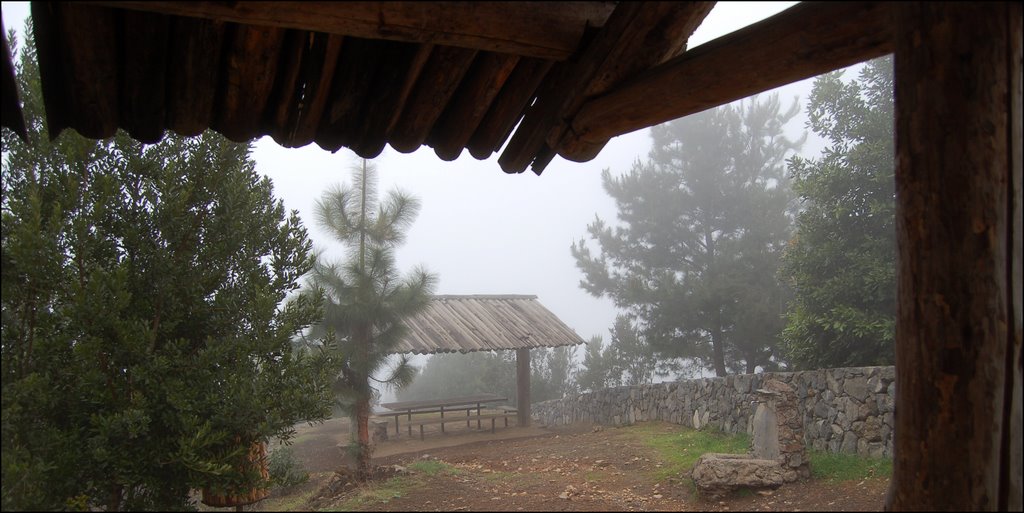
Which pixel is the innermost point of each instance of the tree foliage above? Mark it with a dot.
(703, 223)
(597, 371)
(841, 263)
(364, 297)
(145, 333)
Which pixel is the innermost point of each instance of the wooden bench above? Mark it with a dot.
(492, 416)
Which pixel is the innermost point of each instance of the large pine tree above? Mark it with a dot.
(704, 220)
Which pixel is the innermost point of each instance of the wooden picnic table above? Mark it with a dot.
(450, 404)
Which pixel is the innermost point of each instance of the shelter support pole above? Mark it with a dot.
(523, 386)
(958, 229)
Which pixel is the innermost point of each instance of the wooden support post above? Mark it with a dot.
(523, 386)
(958, 220)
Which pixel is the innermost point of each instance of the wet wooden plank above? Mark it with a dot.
(144, 54)
(285, 101)
(319, 63)
(353, 77)
(549, 30)
(508, 107)
(470, 103)
(392, 85)
(251, 67)
(196, 47)
(636, 37)
(440, 78)
(90, 69)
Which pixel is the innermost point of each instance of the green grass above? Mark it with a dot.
(679, 449)
(432, 468)
(847, 467)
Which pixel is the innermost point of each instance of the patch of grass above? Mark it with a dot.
(678, 449)
(847, 467)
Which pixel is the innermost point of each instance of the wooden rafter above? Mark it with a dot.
(801, 42)
(549, 30)
(636, 36)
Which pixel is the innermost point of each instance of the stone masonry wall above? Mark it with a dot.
(848, 410)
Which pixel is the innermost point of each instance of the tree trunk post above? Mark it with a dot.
(958, 227)
(523, 386)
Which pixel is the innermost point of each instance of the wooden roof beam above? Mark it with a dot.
(638, 35)
(803, 41)
(548, 30)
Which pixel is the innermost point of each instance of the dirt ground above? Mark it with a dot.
(573, 468)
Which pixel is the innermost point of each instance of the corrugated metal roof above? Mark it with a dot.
(485, 323)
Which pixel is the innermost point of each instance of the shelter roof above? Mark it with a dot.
(484, 323)
(537, 78)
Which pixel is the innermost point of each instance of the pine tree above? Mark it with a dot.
(706, 209)
(365, 298)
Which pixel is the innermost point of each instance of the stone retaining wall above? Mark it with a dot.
(848, 410)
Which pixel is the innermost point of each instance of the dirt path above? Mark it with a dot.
(573, 468)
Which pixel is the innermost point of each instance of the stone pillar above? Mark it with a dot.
(779, 429)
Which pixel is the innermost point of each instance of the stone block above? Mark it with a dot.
(856, 387)
(718, 474)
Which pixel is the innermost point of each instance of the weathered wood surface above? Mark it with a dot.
(663, 33)
(549, 30)
(192, 88)
(392, 86)
(958, 334)
(803, 41)
(144, 69)
(470, 103)
(250, 71)
(82, 67)
(508, 107)
(437, 83)
(636, 36)
(523, 387)
(285, 100)
(350, 90)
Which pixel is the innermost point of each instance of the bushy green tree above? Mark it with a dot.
(705, 214)
(597, 369)
(631, 358)
(145, 332)
(365, 299)
(841, 263)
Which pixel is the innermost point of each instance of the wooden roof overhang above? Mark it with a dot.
(463, 324)
(450, 75)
